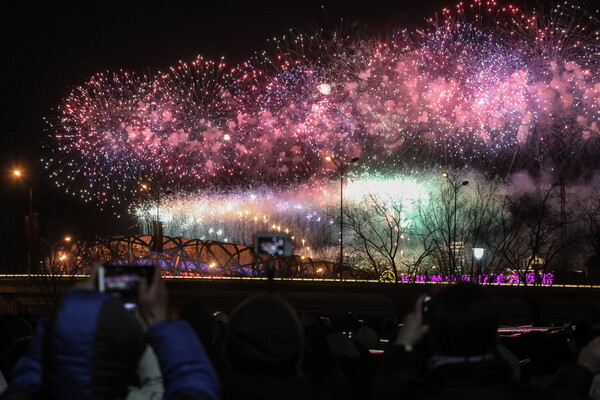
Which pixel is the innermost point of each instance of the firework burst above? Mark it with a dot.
(482, 85)
(102, 147)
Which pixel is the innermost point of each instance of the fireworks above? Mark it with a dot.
(309, 212)
(482, 82)
(483, 85)
(102, 144)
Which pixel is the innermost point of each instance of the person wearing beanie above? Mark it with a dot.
(263, 351)
(461, 322)
(90, 348)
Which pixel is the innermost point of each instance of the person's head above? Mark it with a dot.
(463, 320)
(91, 347)
(264, 336)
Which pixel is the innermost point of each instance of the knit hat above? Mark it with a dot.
(265, 337)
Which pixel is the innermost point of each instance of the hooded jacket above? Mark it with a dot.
(90, 348)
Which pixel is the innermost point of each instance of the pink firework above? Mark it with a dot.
(481, 85)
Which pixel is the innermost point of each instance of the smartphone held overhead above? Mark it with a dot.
(273, 244)
(123, 280)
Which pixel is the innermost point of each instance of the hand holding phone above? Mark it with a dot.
(153, 299)
(426, 310)
(124, 280)
(414, 327)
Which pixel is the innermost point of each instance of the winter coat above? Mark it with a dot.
(90, 350)
(485, 379)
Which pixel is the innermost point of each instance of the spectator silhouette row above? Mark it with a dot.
(92, 347)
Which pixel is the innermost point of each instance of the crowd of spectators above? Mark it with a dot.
(448, 347)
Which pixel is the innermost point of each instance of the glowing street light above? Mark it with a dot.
(452, 241)
(157, 193)
(30, 224)
(157, 226)
(18, 174)
(342, 167)
(478, 253)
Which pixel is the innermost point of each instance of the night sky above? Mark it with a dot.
(50, 47)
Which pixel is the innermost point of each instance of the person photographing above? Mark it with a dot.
(461, 325)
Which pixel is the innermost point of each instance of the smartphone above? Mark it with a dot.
(273, 244)
(123, 280)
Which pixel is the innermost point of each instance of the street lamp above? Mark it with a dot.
(19, 174)
(157, 227)
(478, 253)
(30, 225)
(342, 167)
(150, 190)
(455, 187)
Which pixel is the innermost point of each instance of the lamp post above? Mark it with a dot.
(157, 227)
(478, 253)
(341, 167)
(149, 189)
(30, 225)
(146, 187)
(455, 187)
(18, 174)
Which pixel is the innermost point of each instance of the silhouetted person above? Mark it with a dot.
(91, 346)
(320, 365)
(462, 323)
(263, 350)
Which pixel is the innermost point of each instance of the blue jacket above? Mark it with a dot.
(90, 348)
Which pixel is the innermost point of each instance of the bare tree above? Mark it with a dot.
(382, 240)
(588, 209)
(480, 228)
(440, 224)
(531, 237)
(61, 262)
(376, 236)
(454, 220)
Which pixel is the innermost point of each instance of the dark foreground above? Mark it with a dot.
(555, 305)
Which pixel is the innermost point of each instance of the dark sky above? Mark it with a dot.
(49, 47)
